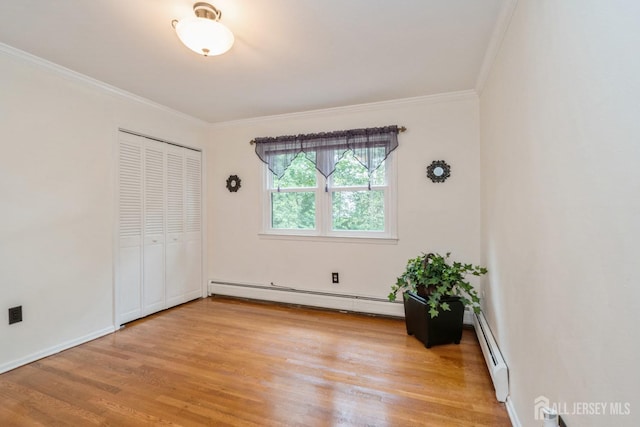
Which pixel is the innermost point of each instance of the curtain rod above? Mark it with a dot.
(400, 129)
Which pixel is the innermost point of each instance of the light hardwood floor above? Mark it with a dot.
(226, 362)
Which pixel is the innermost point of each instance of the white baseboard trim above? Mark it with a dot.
(511, 410)
(468, 317)
(353, 303)
(55, 349)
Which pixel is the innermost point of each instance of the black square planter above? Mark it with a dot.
(446, 328)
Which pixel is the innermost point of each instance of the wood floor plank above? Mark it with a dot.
(227, 362)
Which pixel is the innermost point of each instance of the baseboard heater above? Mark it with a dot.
(497, 367)
(335, 301)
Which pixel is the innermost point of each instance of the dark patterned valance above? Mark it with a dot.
(370, 147)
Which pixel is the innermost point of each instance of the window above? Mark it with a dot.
(330, 189)
(293, 197)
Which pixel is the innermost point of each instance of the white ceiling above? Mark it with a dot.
(289, 55)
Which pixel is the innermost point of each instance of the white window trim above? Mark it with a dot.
(323, 231)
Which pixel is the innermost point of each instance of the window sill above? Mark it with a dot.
(330, 239)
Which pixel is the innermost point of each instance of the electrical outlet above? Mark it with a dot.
(15, 315)
(335, 278)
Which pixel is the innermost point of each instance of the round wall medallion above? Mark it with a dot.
(233, 183)
(438, 171)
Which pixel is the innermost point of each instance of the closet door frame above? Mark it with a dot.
(118, 319)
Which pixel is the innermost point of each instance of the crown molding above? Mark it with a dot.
(372, 106)
(497, 38)
(89, 81)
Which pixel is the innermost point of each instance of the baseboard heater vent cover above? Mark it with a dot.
(496, 364)
(334, 301)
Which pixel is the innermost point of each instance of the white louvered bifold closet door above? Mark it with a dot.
(154, 231)
(129, 261)
(159, 263)
(193, 215)
(176, 251)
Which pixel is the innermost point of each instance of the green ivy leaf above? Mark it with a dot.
(441, 277)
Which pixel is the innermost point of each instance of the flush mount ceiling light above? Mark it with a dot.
(203, 33)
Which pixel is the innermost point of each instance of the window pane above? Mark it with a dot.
(358, 210)
(349, 171)
(295, 210)
(301, 173)
(378, 176)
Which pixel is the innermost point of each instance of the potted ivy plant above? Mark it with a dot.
(436, 292)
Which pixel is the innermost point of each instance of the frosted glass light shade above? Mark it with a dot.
(204, 36)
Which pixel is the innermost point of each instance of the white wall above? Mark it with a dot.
(431, 217)
(58, 135)
(561, 208)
